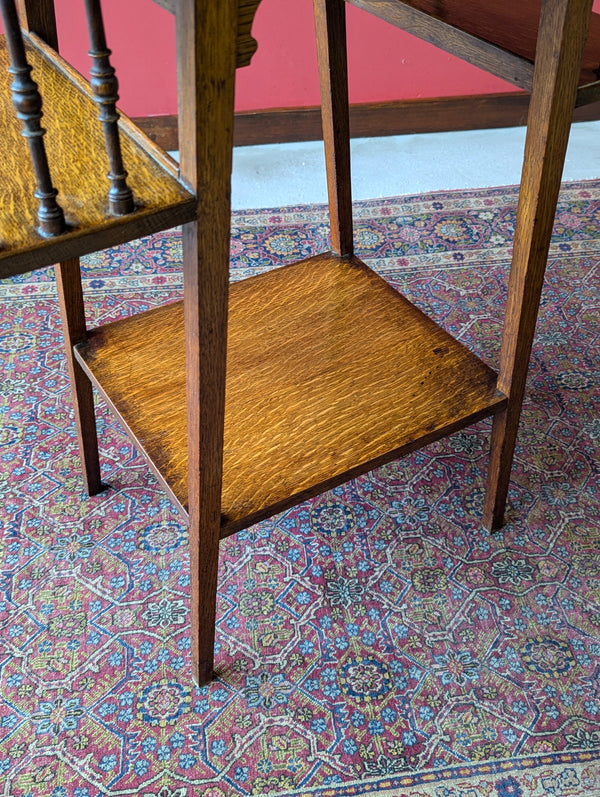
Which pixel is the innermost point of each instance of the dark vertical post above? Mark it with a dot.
(206, 59)
(561, 40)
(330, 25)
(106, 92)
(68, 284)
(38, 17)
(28, 103)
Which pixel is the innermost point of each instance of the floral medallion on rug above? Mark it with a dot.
(372, 641)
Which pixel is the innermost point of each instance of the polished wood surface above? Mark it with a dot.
(499, 37)
(39, 17)
(77, 156)
(330, 372)
(248, 399)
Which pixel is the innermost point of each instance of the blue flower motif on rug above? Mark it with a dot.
(373, 640)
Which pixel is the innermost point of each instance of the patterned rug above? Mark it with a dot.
(372, 641)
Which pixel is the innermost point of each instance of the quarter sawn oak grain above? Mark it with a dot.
(329, 372)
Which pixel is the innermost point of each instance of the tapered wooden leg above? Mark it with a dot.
(330, 25)
(561, 39)
(206, 331)
(206, 45)
(502, 448)
(70, 295)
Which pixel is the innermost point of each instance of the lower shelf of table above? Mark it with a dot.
(330, 372)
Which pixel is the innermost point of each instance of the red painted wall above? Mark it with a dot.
(385, 63)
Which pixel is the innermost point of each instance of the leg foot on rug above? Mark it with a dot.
(202, 673)
(502, 448)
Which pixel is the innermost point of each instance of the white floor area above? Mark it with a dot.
(273, 175)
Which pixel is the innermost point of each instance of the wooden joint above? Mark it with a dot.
(50, 215)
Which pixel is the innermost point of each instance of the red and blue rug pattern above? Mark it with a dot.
(374, 640)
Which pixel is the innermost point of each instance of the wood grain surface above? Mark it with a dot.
(562, 37)
(495, 36)
(246, 45)
(206, 62)
(79, 165)
(329, 372)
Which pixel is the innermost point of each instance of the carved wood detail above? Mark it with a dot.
(246, 44)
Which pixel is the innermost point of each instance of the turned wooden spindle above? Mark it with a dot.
(28, 104)
(106, 87)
